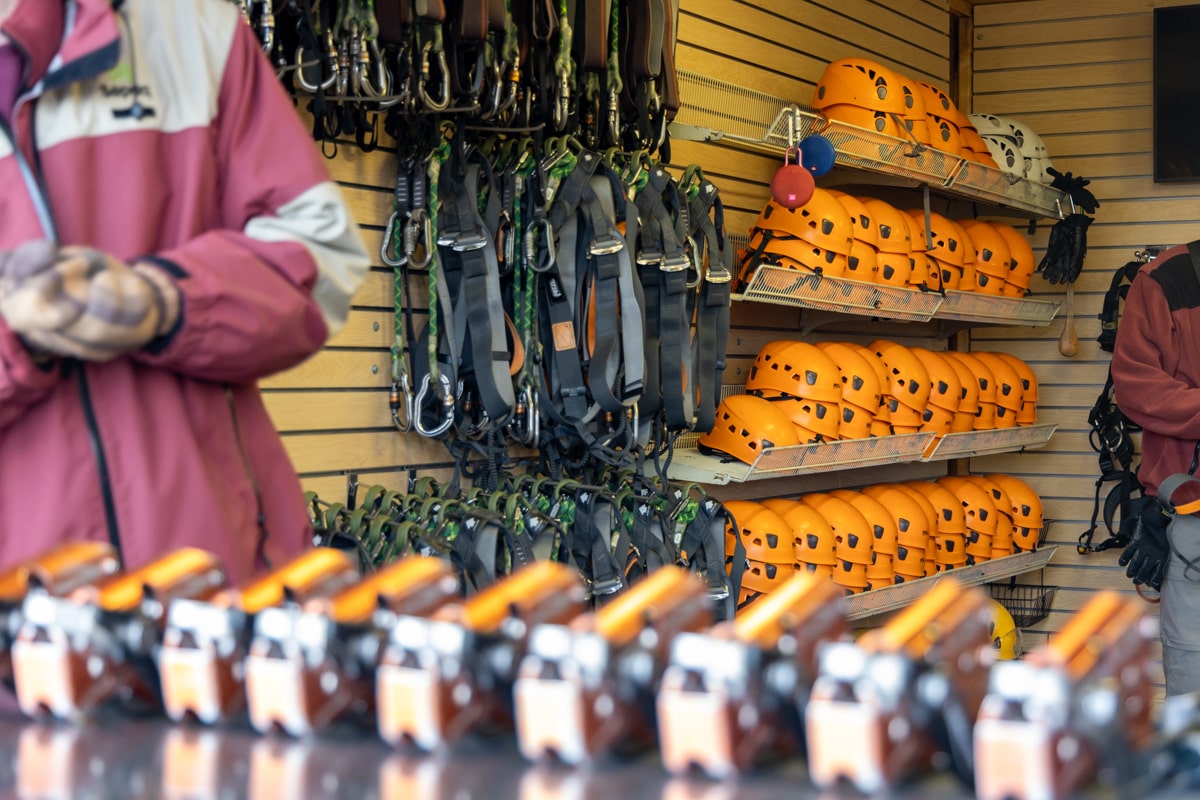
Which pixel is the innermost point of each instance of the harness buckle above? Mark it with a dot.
(721, 275)
(674, 263)
(646, 258)
(606, 244)
(465, 241)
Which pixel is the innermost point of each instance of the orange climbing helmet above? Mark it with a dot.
(745, 426)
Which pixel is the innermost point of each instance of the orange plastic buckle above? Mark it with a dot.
(56, 572)
(309, 666)
(444, 675)
(733, 693)
(1029, 742)
(206, 639)
(581, 690)
(879, 692)
(74, 653)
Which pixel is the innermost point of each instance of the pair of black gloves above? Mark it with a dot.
(1145, 556)
(1068, 238)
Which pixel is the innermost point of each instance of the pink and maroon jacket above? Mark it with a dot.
(156, 129)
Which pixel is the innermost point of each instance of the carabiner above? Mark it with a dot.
(418, 227)
(402, 401)
(532, 252)
(385, 244)
(266, 25)
(443, 100)
(447, 398)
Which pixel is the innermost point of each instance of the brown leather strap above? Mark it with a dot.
(497, 16)
(669, 81)
(430, 10)
(591, 34)
(472, 18)
(393, 16)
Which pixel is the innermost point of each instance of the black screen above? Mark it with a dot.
(1177, 94)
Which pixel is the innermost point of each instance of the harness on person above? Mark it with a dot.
(1110, 434)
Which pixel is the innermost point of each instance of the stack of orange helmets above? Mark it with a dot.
(770, 551)
(908, 385)
(854, 537)
(949, 535)
(886, 533)
(865, 239)
(876, 98)
(816, 237)
(1027, 514)
(804, 383)
(862, 388)
(803, 393)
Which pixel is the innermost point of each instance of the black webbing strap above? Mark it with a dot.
(596, 515)
(1110, 311)
(707, 217)
(703, 548)
(661, 250)
(590, 40)
(567, 391)
(468, 249)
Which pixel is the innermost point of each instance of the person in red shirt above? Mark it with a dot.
(1156, 377)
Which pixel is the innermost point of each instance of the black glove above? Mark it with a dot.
(1066, 249)
(1145, 557)
(1075, 188)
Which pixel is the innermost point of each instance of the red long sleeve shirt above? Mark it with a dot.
(1156, 363)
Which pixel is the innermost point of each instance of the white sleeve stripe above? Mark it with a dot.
(319, 221)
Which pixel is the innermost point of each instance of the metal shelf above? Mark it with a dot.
(805, 459)
(988, 309)
(789, 287)
(893, 598)
(982, 443)
(723, 111)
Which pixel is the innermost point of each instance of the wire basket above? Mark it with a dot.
(1028, 604)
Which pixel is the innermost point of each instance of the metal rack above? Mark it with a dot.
(690, 465)
(893, 598)
(982, 443)
(805, 459)
(722, 111)
(783, 286)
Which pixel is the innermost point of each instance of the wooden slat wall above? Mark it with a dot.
(1081, 76)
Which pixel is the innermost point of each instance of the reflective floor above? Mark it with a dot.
(132, 759)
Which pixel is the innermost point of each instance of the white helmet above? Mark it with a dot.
(990, 125)
(1005, 154)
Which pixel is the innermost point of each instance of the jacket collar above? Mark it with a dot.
(64, 40)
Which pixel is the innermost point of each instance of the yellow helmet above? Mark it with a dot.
(1006, 636)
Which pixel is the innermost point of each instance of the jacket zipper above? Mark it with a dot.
(110, 506)
(33, 179)
(261, 549)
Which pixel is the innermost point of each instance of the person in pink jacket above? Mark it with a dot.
(169, 235)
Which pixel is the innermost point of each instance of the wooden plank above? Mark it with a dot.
(343, 369)
(365, 450)
(1042, 11)
(325, 410)
(1132, 52)
(990, 37)
(1073, 79)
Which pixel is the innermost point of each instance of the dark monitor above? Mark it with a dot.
(1177, 94)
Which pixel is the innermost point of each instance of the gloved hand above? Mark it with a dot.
(1145, 557)
(82, 303)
